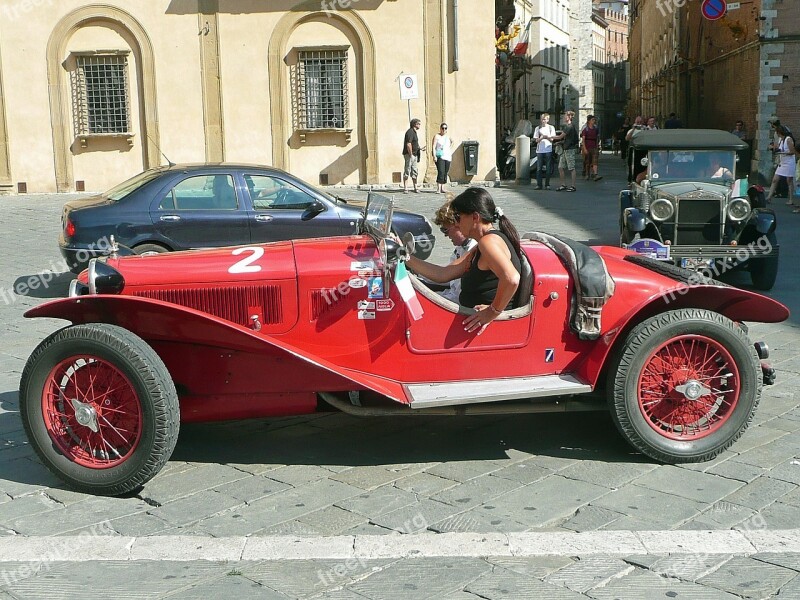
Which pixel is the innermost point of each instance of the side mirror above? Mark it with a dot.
(312, 211)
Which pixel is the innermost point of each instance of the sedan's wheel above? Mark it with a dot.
(150, 249)
(99, 408)
(684, 385)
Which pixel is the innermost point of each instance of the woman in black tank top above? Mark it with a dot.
(490, 274)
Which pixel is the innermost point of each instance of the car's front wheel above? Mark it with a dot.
(100, 408)
(684, 385)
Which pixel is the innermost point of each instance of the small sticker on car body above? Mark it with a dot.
(549, 354)
(357, 282)
(365, 315)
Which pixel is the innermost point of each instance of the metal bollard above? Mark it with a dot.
(523, 149)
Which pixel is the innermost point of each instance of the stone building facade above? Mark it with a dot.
(92, 93)
(745, 65)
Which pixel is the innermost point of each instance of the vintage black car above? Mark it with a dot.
(685, 205)
(182, 207)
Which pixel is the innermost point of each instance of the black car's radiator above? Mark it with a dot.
(699, 222)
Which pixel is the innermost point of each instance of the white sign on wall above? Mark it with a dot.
(408, 87)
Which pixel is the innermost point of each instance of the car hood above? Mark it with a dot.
(681, 188)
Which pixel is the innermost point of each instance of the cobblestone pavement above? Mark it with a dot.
(317, 477)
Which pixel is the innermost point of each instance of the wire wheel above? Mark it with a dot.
(92, 412)
(684, 385)
(99, 408)
(688, 387)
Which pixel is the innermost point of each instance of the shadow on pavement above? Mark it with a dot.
(339, 439)
(44, 285)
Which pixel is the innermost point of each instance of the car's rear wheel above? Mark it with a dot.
(150, 249)
(100, 408)
(684, 385)
(764, 271)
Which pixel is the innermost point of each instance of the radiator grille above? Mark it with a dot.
(230, 303)
(699, 222)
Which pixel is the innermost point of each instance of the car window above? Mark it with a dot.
(120, 191)
(202, 192)
(273, 193)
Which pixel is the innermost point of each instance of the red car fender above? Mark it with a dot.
(736, 304)
(157, 322)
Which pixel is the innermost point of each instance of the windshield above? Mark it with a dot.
(378, 215)
(692, 165)
(118, 192)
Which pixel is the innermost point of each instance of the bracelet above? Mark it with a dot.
(494, 310)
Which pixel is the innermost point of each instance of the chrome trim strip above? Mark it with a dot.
(92, 276)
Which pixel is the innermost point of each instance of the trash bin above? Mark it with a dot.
(470, 157)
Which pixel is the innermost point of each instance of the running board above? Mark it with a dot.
(425, 395)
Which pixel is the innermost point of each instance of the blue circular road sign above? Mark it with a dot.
(714, 9)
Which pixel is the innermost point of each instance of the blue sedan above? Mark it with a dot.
(180, 207)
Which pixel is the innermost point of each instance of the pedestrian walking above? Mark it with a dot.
(590, 149)
(543, 137)
(442, 151)
(567, 140)
(739, 130)
(411, 155)
(786, 168)
(673, 122)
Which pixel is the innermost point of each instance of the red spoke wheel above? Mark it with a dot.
(684, 385)
(92, 412)
(99, 408)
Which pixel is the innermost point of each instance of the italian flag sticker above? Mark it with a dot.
(407, 292)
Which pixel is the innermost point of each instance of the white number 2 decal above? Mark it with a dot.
(246, 264)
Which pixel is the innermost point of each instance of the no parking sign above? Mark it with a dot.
(408, 87)
(714, 9)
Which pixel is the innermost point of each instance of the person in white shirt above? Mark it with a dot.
(442, 155)
(446, 221)
(543, 136)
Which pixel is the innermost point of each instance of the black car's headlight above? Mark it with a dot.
(738, 209)
(661, 209)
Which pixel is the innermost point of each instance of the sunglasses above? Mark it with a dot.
(445, 127)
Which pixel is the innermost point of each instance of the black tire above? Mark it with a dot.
(764, 271)
(150, 249)
(151, 387)
(628, 365)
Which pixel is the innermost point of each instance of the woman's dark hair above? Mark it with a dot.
(478, 200)
(782, 129)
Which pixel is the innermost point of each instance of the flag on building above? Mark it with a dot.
(407, 292)
(521, 49)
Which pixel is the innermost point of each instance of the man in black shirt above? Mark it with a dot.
(411, 154)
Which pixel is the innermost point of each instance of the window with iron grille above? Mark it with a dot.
(100, 96)
(320, 84)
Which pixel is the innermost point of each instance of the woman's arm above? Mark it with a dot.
(495, 254)
(438, 273)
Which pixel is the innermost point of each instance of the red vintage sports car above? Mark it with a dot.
(289, 328)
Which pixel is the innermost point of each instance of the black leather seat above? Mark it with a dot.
(525, 288)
